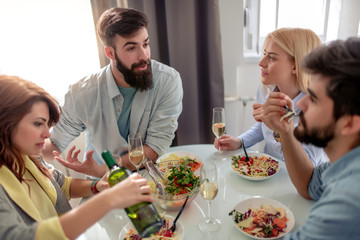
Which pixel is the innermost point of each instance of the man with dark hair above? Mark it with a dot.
(132, 95)
(330, 119)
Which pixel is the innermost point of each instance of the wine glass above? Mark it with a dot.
(136, 150)
(209, 190)
(218, 128)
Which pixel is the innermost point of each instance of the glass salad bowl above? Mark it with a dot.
(182, 179)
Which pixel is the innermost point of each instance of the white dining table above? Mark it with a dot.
(232, 190)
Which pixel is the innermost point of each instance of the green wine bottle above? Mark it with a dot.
(144, 216)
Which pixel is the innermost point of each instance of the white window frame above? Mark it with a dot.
(252, 42)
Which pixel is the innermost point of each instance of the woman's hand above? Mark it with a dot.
(103, 183)
(131, 191)
(258, 111)
(227, 142)
(89, 166)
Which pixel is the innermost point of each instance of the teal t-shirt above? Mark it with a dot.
(124, 118)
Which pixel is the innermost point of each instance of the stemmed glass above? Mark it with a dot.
(218, 127)
(209, 190)
(136, 150)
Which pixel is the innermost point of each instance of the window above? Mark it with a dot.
(50, 42)
(264, 16)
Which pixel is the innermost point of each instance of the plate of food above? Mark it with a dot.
(260, 166)
(128, 232)
(262, 218)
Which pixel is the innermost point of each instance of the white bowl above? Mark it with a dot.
(180, 231)
(251, 155)
(256, 202)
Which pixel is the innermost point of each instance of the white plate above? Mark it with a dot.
(256, 202)
(253, 154)
(179, 228)
(180, 154)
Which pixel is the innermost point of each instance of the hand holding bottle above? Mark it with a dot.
(131, 191)
(143, 215)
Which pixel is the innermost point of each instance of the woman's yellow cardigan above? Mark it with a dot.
(20, 219)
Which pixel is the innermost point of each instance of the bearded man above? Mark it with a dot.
(132, 95)
(330, 119)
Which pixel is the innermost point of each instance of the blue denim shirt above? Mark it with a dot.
(336, 187)
(94, 104)
(259, 131)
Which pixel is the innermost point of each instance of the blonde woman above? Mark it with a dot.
(33, 195)
(281, 71)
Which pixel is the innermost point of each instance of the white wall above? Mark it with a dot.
(241, 77)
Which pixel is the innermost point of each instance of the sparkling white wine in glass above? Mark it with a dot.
(218, 129)
(136, 157)
(136, 150)
(208, 190)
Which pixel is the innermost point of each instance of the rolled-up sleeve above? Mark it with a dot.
(315, 185)
(163, 121)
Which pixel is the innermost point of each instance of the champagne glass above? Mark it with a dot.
(136, 150)
(218, 128)
(209, 190)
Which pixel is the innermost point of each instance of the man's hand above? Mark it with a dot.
(89, 166)
(272, 111)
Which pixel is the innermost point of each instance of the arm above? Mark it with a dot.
(89, 166)
(82, 188)
(298, 163)
(166, 109)
(251, 136)
(131, 191)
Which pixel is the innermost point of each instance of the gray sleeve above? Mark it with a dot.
(315, 187)
(14, 222)
(70, 125)
(164, 121)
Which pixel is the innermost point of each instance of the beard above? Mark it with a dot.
(140, 80)
(319, 137)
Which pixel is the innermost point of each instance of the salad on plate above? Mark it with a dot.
(262, 218)
(260, 166)
(129, 232)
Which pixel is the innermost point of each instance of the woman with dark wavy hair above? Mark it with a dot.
(33, 195)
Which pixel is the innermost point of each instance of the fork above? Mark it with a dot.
(173, 227)
(243, 145)
(290, 114)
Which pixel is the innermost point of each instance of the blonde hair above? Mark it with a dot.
(296, 42)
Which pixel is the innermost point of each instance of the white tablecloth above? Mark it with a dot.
(232, 190)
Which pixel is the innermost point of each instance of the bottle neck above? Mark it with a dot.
(109, 160)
